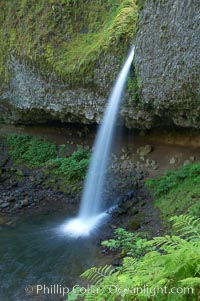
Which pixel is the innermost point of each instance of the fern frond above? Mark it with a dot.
(97, 274)
(191, 282)
(129, 265)
(166, 241)
(90, 297)
(186, 226)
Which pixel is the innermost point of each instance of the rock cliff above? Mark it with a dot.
(46, 82)
(168, 62)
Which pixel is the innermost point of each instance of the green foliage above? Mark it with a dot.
(165, 183)
(63, 150)
(122, 25)
(178, 191)
(187, 226)
(32, 152)
(66, 170)
(72, 168)
(67, 37)
(97, 274)
(170, 273)
(133, 87)
(131, 244)
(36, 152)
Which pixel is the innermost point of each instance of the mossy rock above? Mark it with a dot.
(135, 222)
(66, 37)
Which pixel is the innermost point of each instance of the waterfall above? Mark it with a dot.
(91, 211)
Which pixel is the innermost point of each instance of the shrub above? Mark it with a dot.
(74, 167)
(33, 152)
(130, 244)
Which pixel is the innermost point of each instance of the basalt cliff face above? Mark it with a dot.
(168, 61)
(68, 76)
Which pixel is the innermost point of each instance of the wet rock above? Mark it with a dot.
(114, 157)
(142, 133)
(173, 161)
(128, 204)
(143, 203)
(2, 220)
(131, 194)
(141, 176)
(4, 205)
(126, 164)
(10, 224)
(25, 202)
(121, 210)
(187, 162)
(17, 206)
(80, 134)
(123, 150)
(135, 222)
(123, 157)
(134, 211)
(143, 151)
(11, 199)
(117, 262)
(152, 164)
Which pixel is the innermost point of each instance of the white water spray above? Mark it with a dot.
(90, 214)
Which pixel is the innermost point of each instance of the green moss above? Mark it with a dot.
(133, 87)
(178, 191)
(140, 4)
(65, 36)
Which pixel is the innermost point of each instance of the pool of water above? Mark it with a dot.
(34, 254)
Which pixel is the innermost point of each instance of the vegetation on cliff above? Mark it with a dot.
(65, 36)
(178, 192)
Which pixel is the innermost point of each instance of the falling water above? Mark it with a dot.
(90, 214)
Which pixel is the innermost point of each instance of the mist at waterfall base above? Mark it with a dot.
(91, 213)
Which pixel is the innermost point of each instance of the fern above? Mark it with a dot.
(129, 265)
(97, 274)
(167, 242)
(131, 244)
(191, 282)
(187, 226)
(174, 264)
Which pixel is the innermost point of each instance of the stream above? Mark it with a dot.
(33, 252)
